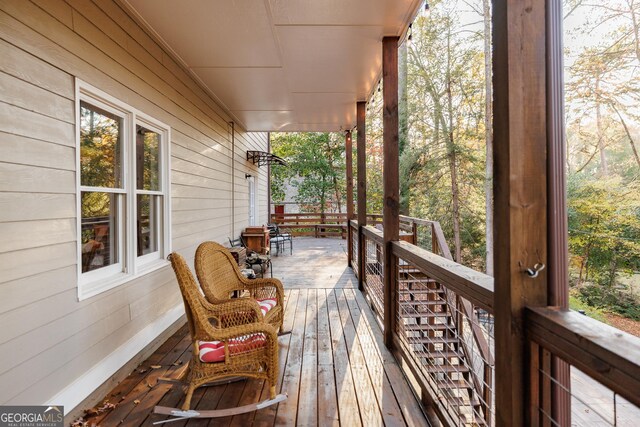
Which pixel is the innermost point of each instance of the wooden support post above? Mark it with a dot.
(348, 147)
(269, 180)
(361, 110)
(558, 271)
(391, 176)
(520, 192)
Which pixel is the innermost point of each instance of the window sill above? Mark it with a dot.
(93, 288)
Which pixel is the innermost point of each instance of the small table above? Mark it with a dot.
(256, 239)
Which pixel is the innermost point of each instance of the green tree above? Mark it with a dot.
(447, 93)
(316, 168)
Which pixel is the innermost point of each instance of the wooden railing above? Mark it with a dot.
(608, 357)
(313, 224)
(442, 336)
(442, 317)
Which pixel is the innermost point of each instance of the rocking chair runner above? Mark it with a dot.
(219, 276)
(230, 339)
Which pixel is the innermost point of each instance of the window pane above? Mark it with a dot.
(147, 159)
(100, 147)
(99, 230)
(147, 224)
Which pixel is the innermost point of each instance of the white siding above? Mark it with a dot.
(48, 339)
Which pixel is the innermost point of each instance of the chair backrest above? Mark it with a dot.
(191, 295)
(273, 230)
(236, 243)
(217, 271)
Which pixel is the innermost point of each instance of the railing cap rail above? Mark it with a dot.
(475, 286)
(608, 355)
(373, 233)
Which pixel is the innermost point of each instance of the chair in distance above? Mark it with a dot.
(220, 277)
(229, 339)
(279, 239)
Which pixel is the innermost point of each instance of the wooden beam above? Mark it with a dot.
(558, 271)
(520, 191)
(391, 177)
(348, 148)
(361, 111)
(269, 179)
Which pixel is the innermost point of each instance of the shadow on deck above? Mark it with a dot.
(334, 365)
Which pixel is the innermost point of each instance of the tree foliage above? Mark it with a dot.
(316, 169)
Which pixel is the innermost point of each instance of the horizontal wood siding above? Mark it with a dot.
(48, 339)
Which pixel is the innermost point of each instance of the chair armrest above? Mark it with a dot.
(237, 311)
(255, 285)
(233, 306)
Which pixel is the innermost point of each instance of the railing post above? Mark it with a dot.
(558, 273)
(362, 189)
(520, 192)
(414, 230)
(390, 172)
(348, 147)
(434, 240)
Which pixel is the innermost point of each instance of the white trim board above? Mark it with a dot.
(72, 395)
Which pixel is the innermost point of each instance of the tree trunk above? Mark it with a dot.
(636, 32)
(586, 261)
(604, 168)
(451, 155)
(337, 190)
(613, 269)
(628, 132)
(403, 125)
(488, 129)
(323, 196)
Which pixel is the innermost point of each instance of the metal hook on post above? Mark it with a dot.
(533, 272)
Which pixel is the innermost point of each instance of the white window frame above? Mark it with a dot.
(129, 265)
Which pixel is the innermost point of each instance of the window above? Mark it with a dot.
(252, 200)
(123, 183)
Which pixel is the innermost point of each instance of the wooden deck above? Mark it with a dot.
(333, 365)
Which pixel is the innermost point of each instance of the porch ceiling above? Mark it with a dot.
(281, 65)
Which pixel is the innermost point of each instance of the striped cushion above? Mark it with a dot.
(213, 351)
(266, 305)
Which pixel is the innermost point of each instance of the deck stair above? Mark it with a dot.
(428, 324)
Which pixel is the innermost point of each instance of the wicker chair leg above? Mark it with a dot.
(272, 392)
(184, 376)
(187, 399)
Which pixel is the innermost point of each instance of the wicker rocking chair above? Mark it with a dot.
(219, 277)
(229, 340)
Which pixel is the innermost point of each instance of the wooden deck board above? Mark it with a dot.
(327, 399)
(308, 401)
(332, 365)
(348, 410)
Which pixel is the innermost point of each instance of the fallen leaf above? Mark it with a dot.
(107, 406)
(135, 402)
(156, 366)
(178, 363)
(80, 422)
(142, 371)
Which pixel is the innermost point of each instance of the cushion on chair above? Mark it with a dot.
(213, 351)
(266, 305)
